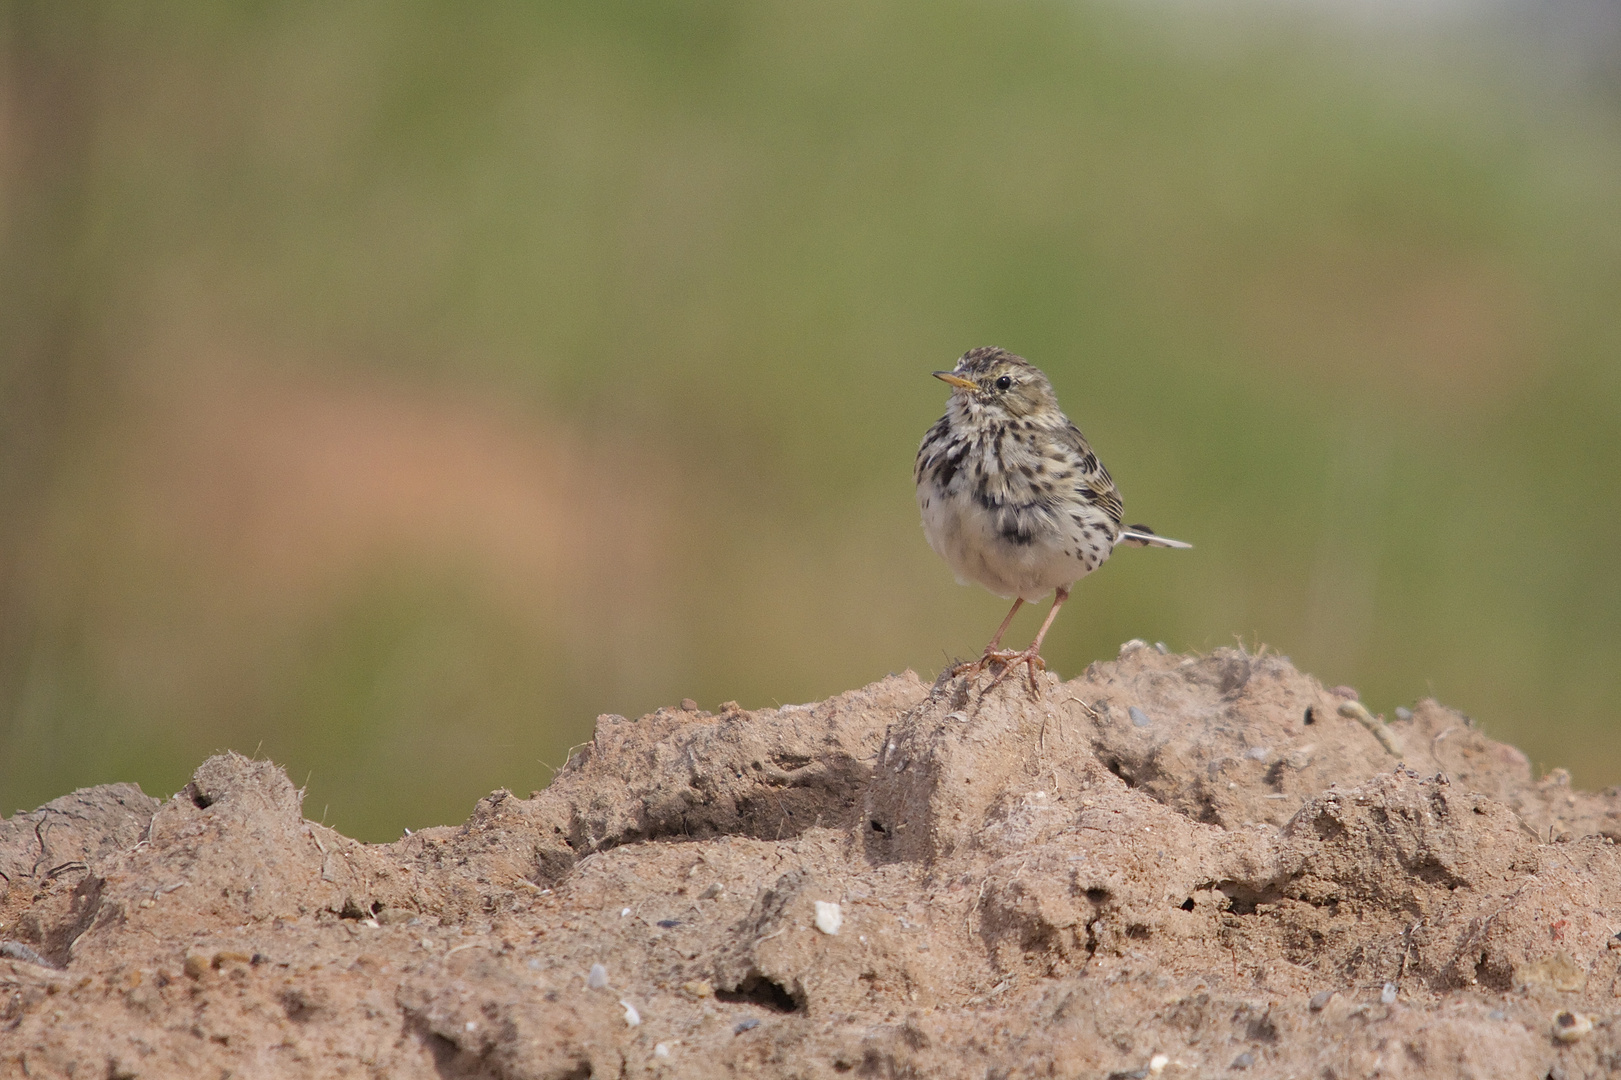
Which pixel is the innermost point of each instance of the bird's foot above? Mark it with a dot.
(1009, 660)
(992, 656)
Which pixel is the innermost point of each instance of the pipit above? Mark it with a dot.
(1013, 496)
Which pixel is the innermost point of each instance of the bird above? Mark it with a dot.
(1012, 496)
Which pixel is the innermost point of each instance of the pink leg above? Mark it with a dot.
(1058, 601)
(1032, 656)
(990, 650)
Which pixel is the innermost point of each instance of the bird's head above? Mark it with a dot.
(995, 384)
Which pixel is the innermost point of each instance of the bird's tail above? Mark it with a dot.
(1143, 536)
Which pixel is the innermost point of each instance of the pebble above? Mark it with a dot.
(661, 1050)
(16, 950)
(632, 1017)
(1258, 753)
(688, 705)
(714, 890)
(195, 965)
(745, 1025)
(1319, 1001)
(1403, 713)
(597, 978)
(1159, 647)
(1157, 1063)
(669, 924)
(1138, 717)
(1387, 996)
(828, 917)
(1569, 1027)
(1244, 1060)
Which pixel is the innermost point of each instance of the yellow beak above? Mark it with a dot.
(956, 380)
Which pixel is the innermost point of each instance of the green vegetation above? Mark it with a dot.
(394, 387)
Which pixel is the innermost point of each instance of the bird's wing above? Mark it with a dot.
(1094, 478)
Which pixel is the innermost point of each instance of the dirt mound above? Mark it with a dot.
(1171, 866)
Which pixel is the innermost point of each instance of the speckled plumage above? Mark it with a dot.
(1011, 494)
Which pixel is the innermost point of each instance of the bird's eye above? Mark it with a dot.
(1004, 382)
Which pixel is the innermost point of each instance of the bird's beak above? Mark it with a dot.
(956, 380)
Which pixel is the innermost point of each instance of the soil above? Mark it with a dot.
(1177, 866)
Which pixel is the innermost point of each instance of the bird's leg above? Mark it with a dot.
(990, 650)
(1032, 656)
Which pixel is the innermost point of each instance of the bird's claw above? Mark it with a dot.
(1010, 660)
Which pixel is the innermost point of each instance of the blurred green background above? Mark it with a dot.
(387, 389)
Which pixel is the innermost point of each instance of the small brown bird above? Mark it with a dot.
(1013, 497)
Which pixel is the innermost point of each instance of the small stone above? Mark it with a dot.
(1343, 692)
(1138, 717)
(669, 924)
(597, 977)
(1258, 753)
(828, 917)
(1159, 647)
(632, 1017)
(745, 1025)
(1387, 996)
(730, 707)
(1244, 1060)
(1357, 711)
(1157, 1063)
(661, 1050)
(195, 965)
(688, 705)
(16, 950)
(1319, 1001)
(698, 988)
(1558, 971)
(714, 890)
(623, 912)
(1569, 1027)
(1403, 713)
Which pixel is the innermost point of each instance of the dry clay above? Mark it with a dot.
(1171, 866)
